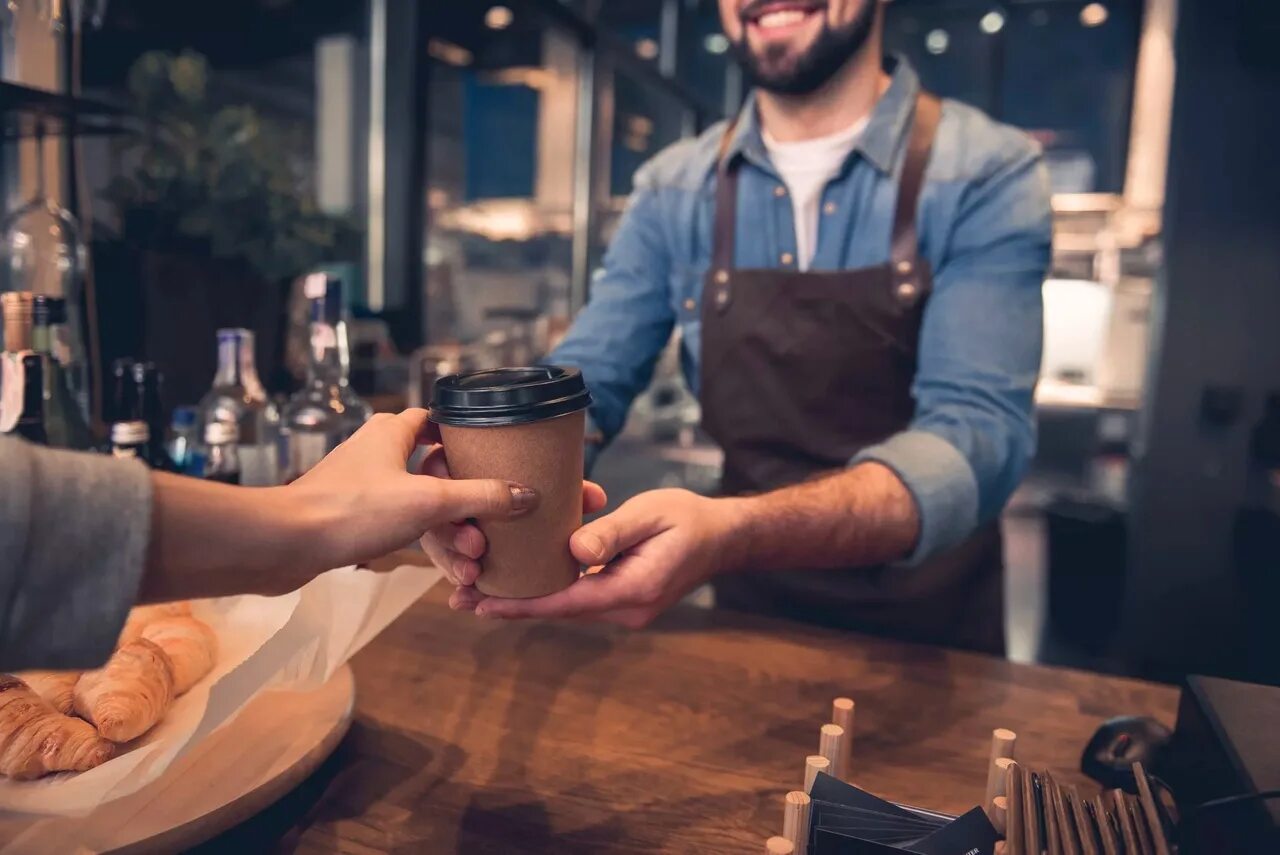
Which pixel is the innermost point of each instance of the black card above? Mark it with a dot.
(827, 842)
(830, 789)
(971, 834)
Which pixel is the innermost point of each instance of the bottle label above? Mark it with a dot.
(124, 452)
(259, 465)
(12, 386)
(306, 449)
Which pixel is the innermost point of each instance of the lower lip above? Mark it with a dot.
(783, 31)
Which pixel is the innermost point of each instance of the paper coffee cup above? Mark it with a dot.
(523, 425)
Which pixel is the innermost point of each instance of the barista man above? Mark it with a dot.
(855, 267)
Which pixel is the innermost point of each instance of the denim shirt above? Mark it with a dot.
(984, 224)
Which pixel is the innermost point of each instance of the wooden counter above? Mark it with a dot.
(477, 736)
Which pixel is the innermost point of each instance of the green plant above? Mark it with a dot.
(220, 179)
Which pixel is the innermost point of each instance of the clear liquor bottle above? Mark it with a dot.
(325, 411)
(237, 397)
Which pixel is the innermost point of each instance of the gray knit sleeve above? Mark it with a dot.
(73, 544)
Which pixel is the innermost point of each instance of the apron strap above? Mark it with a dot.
(725, 220)
(904, 249)
(904, 246)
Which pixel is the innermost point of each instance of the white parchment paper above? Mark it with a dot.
(296, 641)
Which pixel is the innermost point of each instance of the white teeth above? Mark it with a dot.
(784, 18)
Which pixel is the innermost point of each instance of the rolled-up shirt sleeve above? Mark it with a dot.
(74, 530)
(973, 434)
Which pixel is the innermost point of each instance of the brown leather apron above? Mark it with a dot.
(800, 371)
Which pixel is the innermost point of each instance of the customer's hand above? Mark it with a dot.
(360, 502)
(456, 545)
(373, 505)
(655, 549)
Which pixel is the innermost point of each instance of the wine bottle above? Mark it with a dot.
(64, 422)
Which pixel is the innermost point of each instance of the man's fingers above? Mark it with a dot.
(595, 592)
(484, 499)
(593, 497)
(600, 541)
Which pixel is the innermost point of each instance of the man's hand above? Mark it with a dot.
(654, 549)
(455, 544)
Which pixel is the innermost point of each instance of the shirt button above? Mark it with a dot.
(906, 290)
(904, 266)
(722, 276)
(690, 305)
(787, 258)
(829, 208)
(779, 191)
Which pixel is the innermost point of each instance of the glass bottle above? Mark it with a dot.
(183, 444)
(129, 434)
(64, 421)
(238, 397)
(41, 252)
(221, 452)
(325, 411)
(147, 382)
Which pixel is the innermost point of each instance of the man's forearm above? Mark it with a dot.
(857, 517)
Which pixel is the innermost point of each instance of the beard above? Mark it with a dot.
(771, 70)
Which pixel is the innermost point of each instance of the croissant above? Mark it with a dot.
(190, 645)
(141, 616)
(36, 739)
(129, 694)
(56, 687)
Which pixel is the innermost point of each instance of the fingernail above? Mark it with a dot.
(592, 544)
(523, 499)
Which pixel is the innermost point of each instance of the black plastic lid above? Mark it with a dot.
(508, 396)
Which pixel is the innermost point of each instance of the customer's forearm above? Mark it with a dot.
(856, 517)
(210, 540)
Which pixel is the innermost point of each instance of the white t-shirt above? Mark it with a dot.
(806, 167)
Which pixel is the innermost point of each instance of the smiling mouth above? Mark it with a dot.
(780, 15)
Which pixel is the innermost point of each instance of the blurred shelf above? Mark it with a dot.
(23, 109)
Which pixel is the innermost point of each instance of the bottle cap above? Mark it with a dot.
(184, 417)
(130, 433)
(508, 396)
(221, 433)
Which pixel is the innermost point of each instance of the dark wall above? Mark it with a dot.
(1202, 590)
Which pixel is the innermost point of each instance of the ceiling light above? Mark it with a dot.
(992, 23)
(647, 49)
(1094, 15)
(937, 41)
(498, 18)
(716, 43)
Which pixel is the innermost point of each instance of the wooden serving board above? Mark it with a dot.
(268, 749)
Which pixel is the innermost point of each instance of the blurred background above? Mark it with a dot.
(462, 166)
